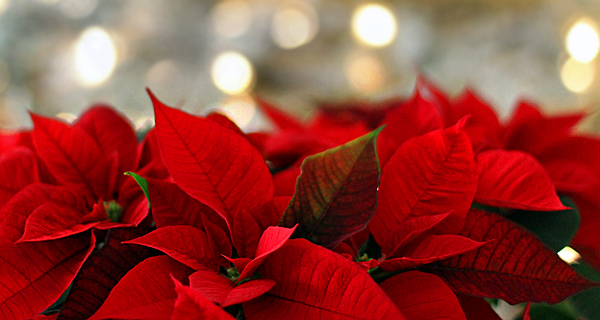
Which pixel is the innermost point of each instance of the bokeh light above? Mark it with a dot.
(77, 9)
(4, 5)
(365, 73)
(294, 25)
(374, 25)
(582, 40)
(577, 76)
(68, 117)
(232, 73)
(240, 109)
(95, 56)
(568, 255)
(232, 18)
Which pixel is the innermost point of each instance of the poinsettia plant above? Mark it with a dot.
(424, 208)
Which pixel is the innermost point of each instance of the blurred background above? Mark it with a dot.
(59, 56)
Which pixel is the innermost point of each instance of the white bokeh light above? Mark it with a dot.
(568, 255)
(95, 56)
(232, 73)
(374, 25)
(232, 18)
(582, 41)
(294, 25)
(577, 76)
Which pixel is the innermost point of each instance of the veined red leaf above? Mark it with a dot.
(185, 244)
(191, 305)
(146, 292)
(279, 118)
(171, 206)
(72, 155)
(15, 213)
(245, 234)
(409, 230)
(271, 240)
(34, 275)
(483, 127)
(19, 168)
(428, 249)
(516, 267)
(316, 283)
(421, 295)
(52, 221)
(336, 193)
(222, 290)
(211, 163)
(476, 308)
(101, 272)
(515, 180)
(431, 174)
(112, 132)
(225, 122)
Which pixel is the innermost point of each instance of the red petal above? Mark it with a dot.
(413, 118)
(245, 234)
(34, 275)
(428, 175)
(211, 285)
(526, 312)
(72, 155)
(409, 230)
(15, 213)
(515, 267)
(145, 292)
(211, 163)
(101, 272)
(512, 179)
(185, 244)
(248, 291)
(18, 168)
(421, 295)
(192, 305)
(225, 122)
(112, 132)
(483, 127)
(336, 194)
(429, 249)
(272, 239)
(315, 283)
(52, 221)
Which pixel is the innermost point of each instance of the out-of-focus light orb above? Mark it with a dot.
(294, 25)
(582, 40)
(568, 255)
(4, 5)
(232, 73)
(365, 73)
(374, 25)
(164, 74)
(95, 56)
(4, 75)
(232, 18)
(77, 9)
(68, 117)
(577, 76)
(240, 109)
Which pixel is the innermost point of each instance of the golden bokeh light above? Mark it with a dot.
(374, 25)
(240, 109)
(582, 40)
(577, 76)
(365, 73)
(294, 25)
(4, 5)
(232, 73)
(232, 18)
(95, 56)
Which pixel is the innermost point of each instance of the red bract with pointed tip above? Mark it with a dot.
(315, 283)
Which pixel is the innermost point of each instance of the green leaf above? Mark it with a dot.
(543, 311)
(142, 183)
(336, 193)
(555, 229)
(586, 302)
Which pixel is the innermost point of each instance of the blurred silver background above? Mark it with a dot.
(57, 57)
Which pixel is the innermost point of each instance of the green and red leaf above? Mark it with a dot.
(336, 193)
(515, 267)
